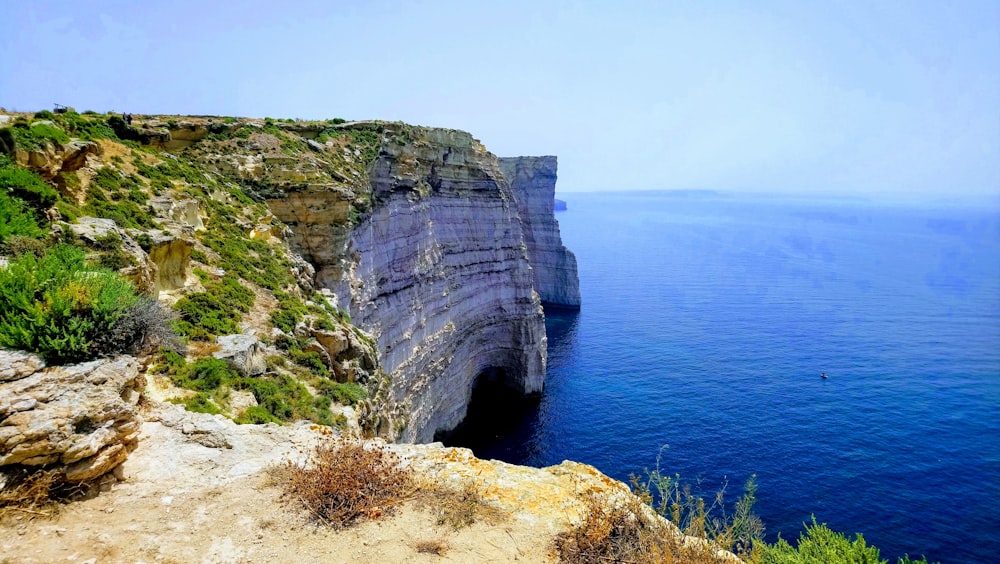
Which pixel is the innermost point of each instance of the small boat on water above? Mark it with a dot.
(823, 375)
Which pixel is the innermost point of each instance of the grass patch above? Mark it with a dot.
(346, 482)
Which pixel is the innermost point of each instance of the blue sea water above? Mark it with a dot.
(706, 322)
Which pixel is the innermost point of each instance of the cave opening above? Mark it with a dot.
(499, 421)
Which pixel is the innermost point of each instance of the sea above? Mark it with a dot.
(707, 321)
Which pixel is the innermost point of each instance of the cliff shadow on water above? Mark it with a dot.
(503, 424)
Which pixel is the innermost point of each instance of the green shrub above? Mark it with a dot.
(199, 256)
(68, 211)
(209, 373)
(145, 241)
(286, 399)
(345, 393)
(17, 245)
(110, 241)
(17, 219)
(85, 127)
(44, 114)
(290, 311)
(256, 415)
(819, 544)
(216, 311)
(324, 324)
(199, 403)
(38, 135)
(115, 259)
(25, 185)
(57, 307)
(202, 315)
(311, 360)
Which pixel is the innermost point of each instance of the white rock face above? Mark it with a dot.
(243, 353)
(441, 277)
(533, 183)
(81, 417)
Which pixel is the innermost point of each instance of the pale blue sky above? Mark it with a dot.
(856, 97)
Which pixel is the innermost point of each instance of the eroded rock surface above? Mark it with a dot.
(243, 353)
(441, 277)
(81, 418)
(533, 182)
(198, 490)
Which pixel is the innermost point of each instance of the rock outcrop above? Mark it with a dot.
(243, 353)
(198, 489)
(81, 419)
(533, 182)
(440, 275)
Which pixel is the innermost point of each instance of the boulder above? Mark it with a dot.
(81, 418)
(243, 353)
(142, 272)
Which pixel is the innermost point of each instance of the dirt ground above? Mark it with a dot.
(245, 522)
(182, 501)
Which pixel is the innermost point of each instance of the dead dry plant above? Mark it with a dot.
(623, 531)
(346, 481)
(459, 508)
(432, 546)
(30, 494)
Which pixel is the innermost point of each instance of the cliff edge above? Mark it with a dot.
(533, 182)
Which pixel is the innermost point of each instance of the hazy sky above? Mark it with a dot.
(844, 97)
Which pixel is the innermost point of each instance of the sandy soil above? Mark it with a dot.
(244, 522)
(183, 501)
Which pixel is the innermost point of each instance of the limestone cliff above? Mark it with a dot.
(533, 182)
(441, 276)
(414, 232)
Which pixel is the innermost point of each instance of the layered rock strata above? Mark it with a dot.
(441, 276)
(80, 418)
(533, 183)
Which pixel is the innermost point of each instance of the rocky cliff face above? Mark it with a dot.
(533, 183)
(440, 275)
(81, 419)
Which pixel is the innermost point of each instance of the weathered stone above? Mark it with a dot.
(171, 254)
(533, 182)
(18, 364)
(441, 277)
(240, 401)
(184, 210)
(209, 432)
(334, 342)
(142, 272)
(243, 353)
(83, 416)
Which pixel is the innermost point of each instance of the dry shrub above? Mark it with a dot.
(625, 532)
(434, 546)
(346, 481)
(458, 509)
(31, 494)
